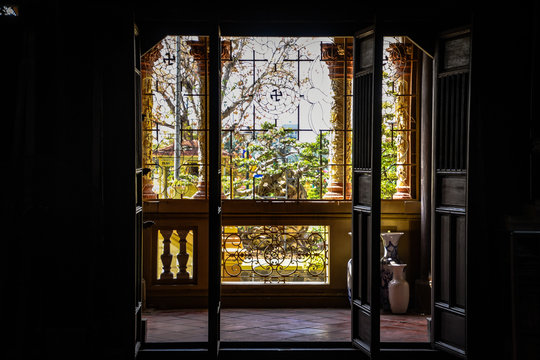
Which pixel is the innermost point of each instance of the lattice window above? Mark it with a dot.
(175, 97)
(286, 118)
(285, 113)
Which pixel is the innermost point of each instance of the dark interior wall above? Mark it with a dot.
(66, 266)
(66, 277)
(51, 189)
(114, 117)
(535, 113)
(500, 172)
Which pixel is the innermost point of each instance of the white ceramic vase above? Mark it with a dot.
(398, 290)
(390, 242)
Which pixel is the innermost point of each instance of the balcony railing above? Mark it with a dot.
(266, 247)
(275, 254)
(176, 247)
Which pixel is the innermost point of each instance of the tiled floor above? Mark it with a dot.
(276, 325)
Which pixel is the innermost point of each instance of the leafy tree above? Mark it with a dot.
(276, 165)
(282, 166)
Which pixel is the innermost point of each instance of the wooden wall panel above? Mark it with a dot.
(450, 329)
(456, 52)
(443, 263)
(452, 190)
(363, 189)
(460, 256)
(362, 331)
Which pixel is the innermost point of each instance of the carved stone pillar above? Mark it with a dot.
(401, 56)
(403, 189)
(199, 51)
(147, 64)
(338, 56)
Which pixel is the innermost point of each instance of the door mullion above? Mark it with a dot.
(214, 199)
(450, 191)
(376, 189)
(366, 191)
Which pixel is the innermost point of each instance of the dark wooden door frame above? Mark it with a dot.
(450, 178)
(214, 345)
(367, 85)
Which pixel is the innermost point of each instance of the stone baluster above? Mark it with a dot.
(183, 255)
(166, 256)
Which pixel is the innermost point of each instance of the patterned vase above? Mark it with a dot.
(349, 281)
(398, 290)
(349, 276)
(390, 242)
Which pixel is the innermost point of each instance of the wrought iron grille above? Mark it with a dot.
(275, 254)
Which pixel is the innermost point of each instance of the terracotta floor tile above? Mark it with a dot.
(276, 325)
(308, 331)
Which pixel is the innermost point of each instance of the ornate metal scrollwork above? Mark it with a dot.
(273, 254)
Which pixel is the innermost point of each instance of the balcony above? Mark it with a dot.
(273, 277)
(301, 247)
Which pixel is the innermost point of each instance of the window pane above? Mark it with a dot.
(286, 124)
(175, 117)
(286, 118)
(399, 123)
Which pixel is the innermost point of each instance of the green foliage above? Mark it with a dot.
(388, 147)
(314, 160)
(274, 164)
(184, 185)
(388, 164)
